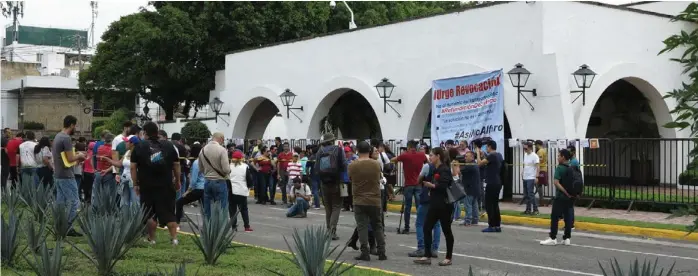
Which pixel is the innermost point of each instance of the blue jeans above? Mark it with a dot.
(67, 193)
(215, 191)
(529, 196)
(409, 193)
(128, 195)
(100, 182)
(271, 186)
(472, 212)
(300, 207)
(182, 189)
(315, 183)
(31, 173)
(419, 224)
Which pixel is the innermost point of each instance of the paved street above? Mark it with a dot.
(515, 251)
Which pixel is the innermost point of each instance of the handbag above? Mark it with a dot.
(455, 192)
(343, 190)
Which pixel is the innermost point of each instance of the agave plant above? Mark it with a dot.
(216, 234)
(110, 236)
(9, 230)
(470, 272)
(35, 237)
(11, 198)
(60, 213)
(648, 268)
(49, 262)
(38, 199)
(107, 200)
(312, 249)
(179, 270)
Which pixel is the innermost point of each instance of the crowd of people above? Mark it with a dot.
(164, 175)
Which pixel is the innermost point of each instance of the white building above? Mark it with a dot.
(552, 39)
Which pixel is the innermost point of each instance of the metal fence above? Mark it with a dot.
(625, 169)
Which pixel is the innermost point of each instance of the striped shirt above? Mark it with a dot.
(294, 170)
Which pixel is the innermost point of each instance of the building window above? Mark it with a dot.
(38, 57)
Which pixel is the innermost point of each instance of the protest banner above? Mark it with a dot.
(467, 108)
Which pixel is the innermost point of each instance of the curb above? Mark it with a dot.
(288, 253)
(586, 226)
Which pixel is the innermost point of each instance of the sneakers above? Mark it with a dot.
(149, 241)
(535, 213)
(175, 242)
(177, 228)
(527, 212)
(549, 241)
(416, 254)
(566, 242)
(492, 230)
(248, 229)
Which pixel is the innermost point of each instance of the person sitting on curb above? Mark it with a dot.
(300, 194)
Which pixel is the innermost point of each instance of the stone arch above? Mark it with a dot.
(644, 79)
(262, 105)
(339, 87)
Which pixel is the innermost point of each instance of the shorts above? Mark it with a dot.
(543, 178)
(159, 203)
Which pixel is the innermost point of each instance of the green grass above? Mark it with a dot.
(239, 261)
(641, 194)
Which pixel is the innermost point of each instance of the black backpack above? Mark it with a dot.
(328, 164)
(573, 181)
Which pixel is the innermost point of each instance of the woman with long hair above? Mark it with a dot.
(263, 175)
(88, 175)
(43, 156)
(439, 208)
(240, 185)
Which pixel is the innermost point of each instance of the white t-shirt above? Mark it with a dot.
(530, 162)
(39, 157)
(304, 190)
(27, 156)
(117, 140)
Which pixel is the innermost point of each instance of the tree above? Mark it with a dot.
(153, 55)
(196, 131)
(686, 96)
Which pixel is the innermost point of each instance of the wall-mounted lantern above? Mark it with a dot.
(519, 77)
(287, 99)
(583, 77)
(385, 90)
(216, 104)
(143, 118)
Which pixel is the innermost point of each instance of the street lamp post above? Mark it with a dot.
(352, 24)
(287, 99)
(216, 104)
(385, 90)
(584, 76)
(519, 77)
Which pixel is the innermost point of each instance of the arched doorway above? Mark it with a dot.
(254, 117)
(349, 116)
(625, 123)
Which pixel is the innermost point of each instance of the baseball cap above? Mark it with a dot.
(133, 139)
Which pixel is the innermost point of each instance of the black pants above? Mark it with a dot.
(366, 216)
(282, 184)
(5, 176)
(14, 176)
(88, 180)
(355, 238)
(190, 197)
(494, 217)
(236, 202)
(263, 187)
(443, 213)
(562, 207)
(348, 201)
(45, 175)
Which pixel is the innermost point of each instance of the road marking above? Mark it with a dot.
(517, 263)
(632, 252)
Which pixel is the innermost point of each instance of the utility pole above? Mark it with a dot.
(77, 45)
(16, 10)
(93, 4)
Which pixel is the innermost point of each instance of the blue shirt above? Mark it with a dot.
(574, 162)
(345, 173)
(197, 177)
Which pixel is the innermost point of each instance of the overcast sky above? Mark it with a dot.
(74, 14)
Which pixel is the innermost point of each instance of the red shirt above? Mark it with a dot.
(284, 158)
(12, 149)
(103, 150)
(264, 165)
(412, 163)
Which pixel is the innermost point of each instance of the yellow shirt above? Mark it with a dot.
(543, 159)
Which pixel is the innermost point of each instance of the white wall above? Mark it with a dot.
(665, 7)
(9, 107)
(550, 38)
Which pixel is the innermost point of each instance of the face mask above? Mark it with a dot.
(484, 148)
